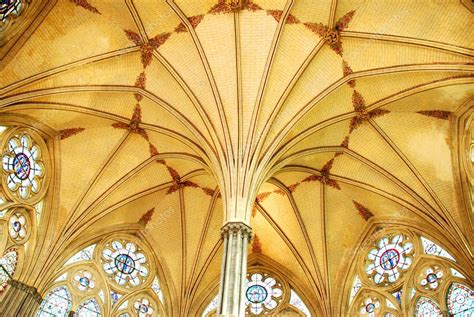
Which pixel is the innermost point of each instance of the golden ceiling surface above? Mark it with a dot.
(311, 120)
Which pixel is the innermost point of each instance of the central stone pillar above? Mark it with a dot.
(236, 237)
(20, 300)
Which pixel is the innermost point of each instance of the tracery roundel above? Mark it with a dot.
(125, 262)
(23, 166)
(389, 258)
(263, 293)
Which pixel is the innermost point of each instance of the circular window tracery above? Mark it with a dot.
(430, 278)
(18, 226)
(125, 262)
(263, 293)
(143, 307)
(389, 259)
(23, 166)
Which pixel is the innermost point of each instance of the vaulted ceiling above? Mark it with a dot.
(336, 114)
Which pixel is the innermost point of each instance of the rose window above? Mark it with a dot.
(84, 281)
(143, 307)
(389, 258)
(9, 8)
(124, 263)
(431, 278)
(23, 166)
(369, 307)
(263, 293)
(18, 227)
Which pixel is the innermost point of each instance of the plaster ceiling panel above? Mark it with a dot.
(217, 36)
(354, 170)
(60, 40)
(157, 17)
(331, 136)
(60, 119)
(375, 89)
(379, 151)
(307, 197)
(378, 205)
(196, 208)
(312, 11)
(364, 54)
(425, 142)
(181, 54)
(274, 247)
(78, 167)
(193, 8)
(289, 178)
(315, 162)
(342, 233)
(212, 234)
(134, 188)
(438, 21)
(286, 217)
(257, 31)
(120, 69)
(447, 98)
(294, 47)
(122, 160)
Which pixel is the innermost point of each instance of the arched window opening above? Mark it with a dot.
(114, 276)
(57, 303)
(90, 308)
(400, 273)
(8, 264)
(460, 300)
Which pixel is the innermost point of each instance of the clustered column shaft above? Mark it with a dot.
(236, 237)
(20, 300)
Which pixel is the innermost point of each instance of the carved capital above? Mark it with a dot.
(233, 228)
(26, 289)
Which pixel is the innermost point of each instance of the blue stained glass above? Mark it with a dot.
(21, 165)
(57, 303)
(125, 263)
(389, 259)
(256, 294)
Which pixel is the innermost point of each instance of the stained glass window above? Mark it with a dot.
(460, 300)
(83, 255)
(296, 302)
(115, 297)
(9, 8)
(57, 303)
(431, 278)
(84, 281)
(155, 286)
(212, 305)
(8, 266)
(23, 165)
(18, 227)
(355, 288)
(426, 307)
(262, 293)
(388, 258)
(432, 248)
(457, 274)
(369, 307)
(125, 263)
(398, 295)
(143, 307)
(90, 308)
